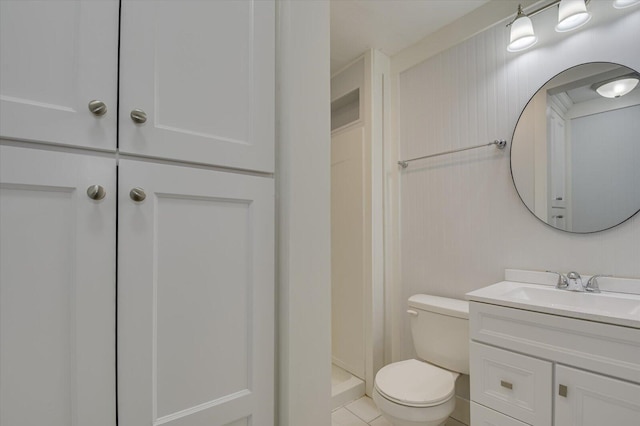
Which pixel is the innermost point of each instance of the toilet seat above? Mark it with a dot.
(415, 383)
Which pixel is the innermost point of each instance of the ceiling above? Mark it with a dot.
(388, 25)
(577, 82)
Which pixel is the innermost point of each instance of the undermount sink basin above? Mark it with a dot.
(613, 308)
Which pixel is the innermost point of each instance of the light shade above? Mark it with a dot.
(572, 14)
(617, 88)
(522, 35)
(621, 4)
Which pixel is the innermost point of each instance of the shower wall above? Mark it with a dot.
(350, 220)
(358, 115)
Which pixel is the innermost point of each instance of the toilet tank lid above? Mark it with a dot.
(440, 305)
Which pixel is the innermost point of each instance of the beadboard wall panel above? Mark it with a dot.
(462, 222)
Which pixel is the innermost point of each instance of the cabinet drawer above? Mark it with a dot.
(517, 385)
(483, 416)
(605, 348)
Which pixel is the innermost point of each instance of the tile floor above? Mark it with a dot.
(363, 412)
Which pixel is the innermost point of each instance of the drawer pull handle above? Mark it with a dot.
(507, 385)
(562, 390)
(412, 313)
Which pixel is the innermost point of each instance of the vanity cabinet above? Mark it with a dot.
(543, 370)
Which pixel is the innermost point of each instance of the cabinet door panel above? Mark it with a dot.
(57, 289)
(203, 72)
(595, 400)
(514, 384)
(196, 317)
(57, 57)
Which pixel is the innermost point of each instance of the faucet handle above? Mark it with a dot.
(592, 284)
(562, 283)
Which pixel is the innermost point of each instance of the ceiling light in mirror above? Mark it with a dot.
(621, 4)
(616, 88)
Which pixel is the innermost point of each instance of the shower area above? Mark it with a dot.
(356, 231)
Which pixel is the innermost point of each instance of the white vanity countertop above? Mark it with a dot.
(606, 307)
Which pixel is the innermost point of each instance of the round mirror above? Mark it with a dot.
(575, 151)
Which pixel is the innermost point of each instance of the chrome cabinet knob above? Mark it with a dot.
(138, 116)
(97, 108)
(96, 192)
(137, 194)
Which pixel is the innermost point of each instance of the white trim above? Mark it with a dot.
(303, 227)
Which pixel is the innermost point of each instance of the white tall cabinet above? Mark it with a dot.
(190, 280)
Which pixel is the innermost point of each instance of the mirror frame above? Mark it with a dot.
(511, 153)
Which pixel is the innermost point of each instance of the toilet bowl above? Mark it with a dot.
(416, 392)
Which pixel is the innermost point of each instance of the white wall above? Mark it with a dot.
(461, 220)
(606, 179)
(303, 215)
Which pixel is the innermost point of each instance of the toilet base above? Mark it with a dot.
(401, 422)
(401, 415)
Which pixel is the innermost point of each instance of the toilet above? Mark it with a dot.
(421, 392)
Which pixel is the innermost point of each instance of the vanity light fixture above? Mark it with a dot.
(618, 87)
(522, 35)
(621, 4)
(572, 14)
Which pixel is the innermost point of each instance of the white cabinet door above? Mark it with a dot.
(57, 289)
(203, 73)
(587, 399)
(196, 297)
(56, 57)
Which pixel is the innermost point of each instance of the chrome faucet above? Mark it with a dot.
(562, 283)
(574, 282)
(571, 282)
(592, 284)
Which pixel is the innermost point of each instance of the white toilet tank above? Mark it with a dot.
(440, 331)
